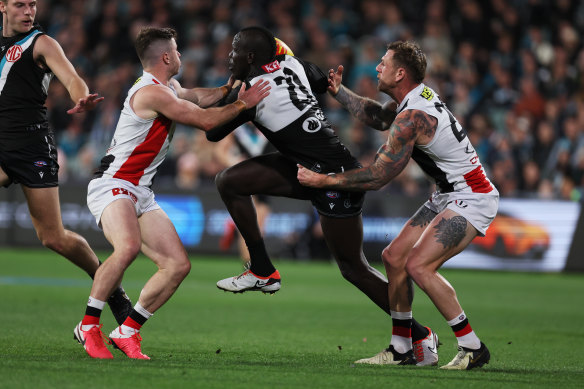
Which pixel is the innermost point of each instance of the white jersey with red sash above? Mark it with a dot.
(449, 158)
(139, 145)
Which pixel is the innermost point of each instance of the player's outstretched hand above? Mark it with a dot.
(255, 94)
(85, 104)
(335, 79)
(309, 178)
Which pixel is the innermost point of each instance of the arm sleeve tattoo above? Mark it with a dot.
(391, 158)
(366, 110)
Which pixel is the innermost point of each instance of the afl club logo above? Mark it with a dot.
(14, 53)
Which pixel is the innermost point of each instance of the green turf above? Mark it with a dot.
(305, 336)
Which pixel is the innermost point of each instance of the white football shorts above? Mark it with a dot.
(101, 192)
(477, 208)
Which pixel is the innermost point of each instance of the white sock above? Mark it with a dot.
(465, 336)
(140, 309)
(94, 303)
(401, 344)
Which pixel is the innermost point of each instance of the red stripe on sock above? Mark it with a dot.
(402, 331)
(465, 331)
(87, 320)
(132, 323)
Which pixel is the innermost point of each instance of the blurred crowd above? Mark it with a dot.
(511, 71)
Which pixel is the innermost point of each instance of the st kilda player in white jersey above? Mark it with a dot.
(120, 197)
(139, 145)
(292, 120)
(449, 158)
(463, 207)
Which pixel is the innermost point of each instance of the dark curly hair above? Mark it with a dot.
(410, 56)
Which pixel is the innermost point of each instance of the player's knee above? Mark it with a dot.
(393, 258)
(222, 180)
(52, 240)
(180, 269)
(125, 255)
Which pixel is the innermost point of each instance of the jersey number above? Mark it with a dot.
(460, 134)
(294, 83)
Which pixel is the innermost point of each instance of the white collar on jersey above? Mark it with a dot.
(404, 102)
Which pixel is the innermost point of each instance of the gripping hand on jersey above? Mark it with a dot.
(85, 104)
(255, 94)
(309, 178)
(335, 79)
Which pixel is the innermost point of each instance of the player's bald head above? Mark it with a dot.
(260, 42)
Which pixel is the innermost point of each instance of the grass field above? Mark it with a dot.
(305, 336)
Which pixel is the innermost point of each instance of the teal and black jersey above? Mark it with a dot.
(23, 90)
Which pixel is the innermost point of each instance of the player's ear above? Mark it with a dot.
(250, 57)
(400, 74)
(166, 58)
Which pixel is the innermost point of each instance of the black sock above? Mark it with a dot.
(260, 261)
(418, 331)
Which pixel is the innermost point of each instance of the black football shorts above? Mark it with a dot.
(34, 165)
(336, 203)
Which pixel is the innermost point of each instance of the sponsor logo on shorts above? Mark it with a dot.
(40, 163)
(119, 191)
(332, 195)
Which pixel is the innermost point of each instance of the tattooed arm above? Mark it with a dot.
(390, 160)
(370, 112)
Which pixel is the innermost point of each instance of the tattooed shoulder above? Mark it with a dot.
(420, 122)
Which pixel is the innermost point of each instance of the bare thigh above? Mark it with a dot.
(160, 241)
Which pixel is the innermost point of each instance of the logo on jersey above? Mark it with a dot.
(40, 163)
(271, 67)
(14, 53)
(427, 93)
(460, 203)
(332, 195)
(311, 125)
(347, 203)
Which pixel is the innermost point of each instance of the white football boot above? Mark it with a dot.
(249, 281)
